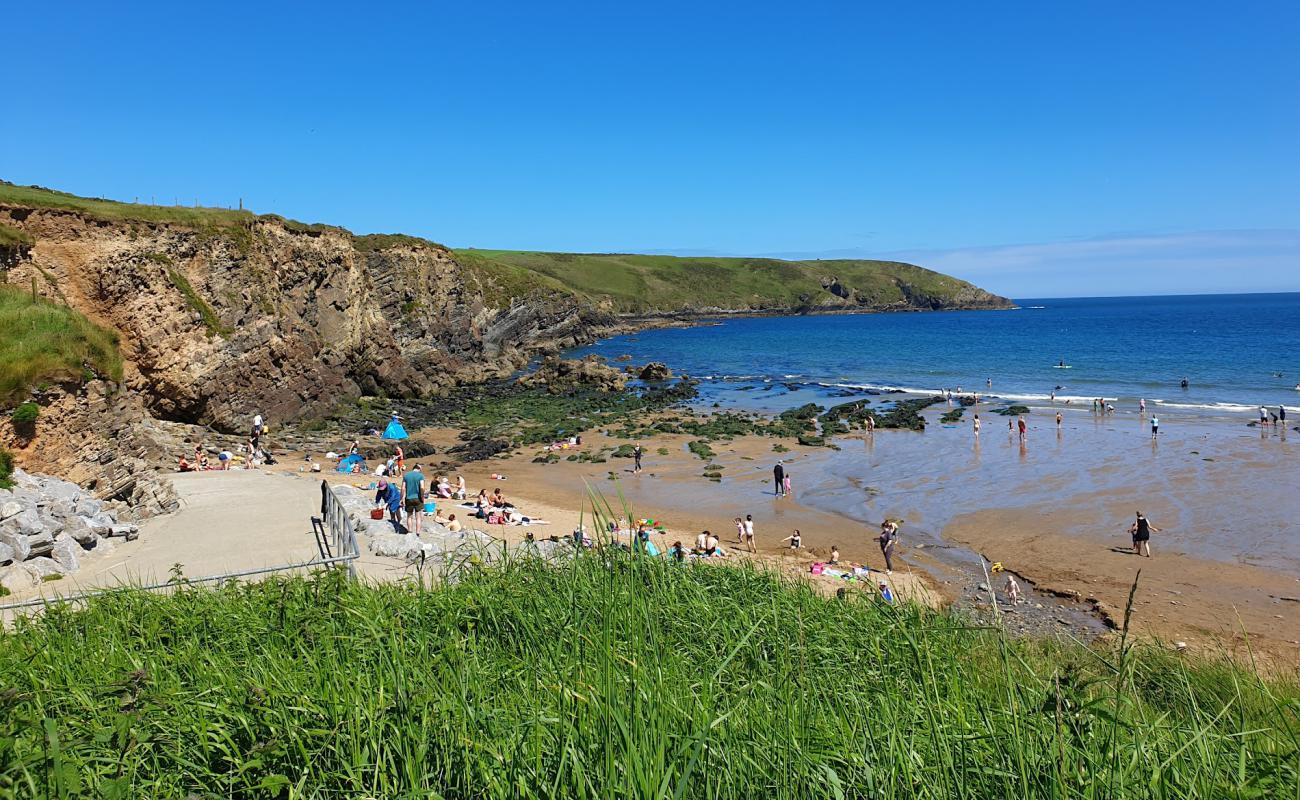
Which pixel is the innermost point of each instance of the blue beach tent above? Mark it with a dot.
(345, 465)
(394, 429)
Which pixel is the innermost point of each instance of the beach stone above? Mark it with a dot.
(17, 578)
(101, 523)
(42, 567)
(17, 544)
(79, 530)
(395, 545)
(67, 554)
(6, 553)
(89, 506)
(40, 543)
(10, 508)
(25, 522)
(128, 532)
(60, 489)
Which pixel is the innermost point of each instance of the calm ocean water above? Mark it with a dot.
(1236, 351)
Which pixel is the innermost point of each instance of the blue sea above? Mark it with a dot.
(1237, 352)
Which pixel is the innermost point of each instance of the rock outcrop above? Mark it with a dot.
(283, 319)
(563, 374)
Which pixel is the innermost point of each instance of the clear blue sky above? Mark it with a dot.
(1038, 148)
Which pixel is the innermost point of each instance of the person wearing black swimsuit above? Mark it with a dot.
(1141, 531)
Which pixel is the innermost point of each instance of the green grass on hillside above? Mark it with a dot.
(47, 342)
(639, 284)
(12, 237)
(608, 678)
(39, 197)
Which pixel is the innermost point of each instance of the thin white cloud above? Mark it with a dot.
(1127, 264)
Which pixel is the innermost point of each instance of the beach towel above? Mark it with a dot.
(394, 430)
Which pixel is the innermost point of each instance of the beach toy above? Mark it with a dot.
(817, 568)
(430, 507)
(996, 567)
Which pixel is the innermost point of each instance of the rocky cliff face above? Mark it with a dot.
(284, 319)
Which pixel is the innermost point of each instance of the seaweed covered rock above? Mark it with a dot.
(559, 375)
(655, 371)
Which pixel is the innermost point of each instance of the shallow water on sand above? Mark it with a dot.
(1218, 491)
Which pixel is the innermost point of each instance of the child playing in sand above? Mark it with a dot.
(795, 540)
(835, 555)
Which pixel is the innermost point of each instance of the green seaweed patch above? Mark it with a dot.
(952, 416)
(701, 448)
(780, 448)
(1012, 411)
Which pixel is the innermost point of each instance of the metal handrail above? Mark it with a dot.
(341, 531)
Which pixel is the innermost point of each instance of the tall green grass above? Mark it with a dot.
(608, 677)
(47, 342)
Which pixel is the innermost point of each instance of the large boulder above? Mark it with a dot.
(396, 545)
(10, 508)
(42, 567)
(39, 544)
(67, 554)
(6, 553)
(26, 522)
(17, 578)
(17, 544)
(79, 530)
(559, 375)
(655, 371)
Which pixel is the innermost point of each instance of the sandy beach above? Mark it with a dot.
(1053, 511)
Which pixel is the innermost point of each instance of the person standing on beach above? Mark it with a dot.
(778, 478)
(413, 489)
(1142, 406)
(740, 530)
(1141, 531)
(1155, 427)
(977, 424)
(1024, 431)
(1058, 420)
(871, 422)
(785, 485)
(636, 458)
(888, 535)
(749, 533)
(1281, 415)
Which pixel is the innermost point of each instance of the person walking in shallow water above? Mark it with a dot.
(1141, 531)
(1155, 427)
(778, 478)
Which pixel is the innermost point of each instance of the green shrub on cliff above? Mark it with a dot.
(6, 469)
(50, 343)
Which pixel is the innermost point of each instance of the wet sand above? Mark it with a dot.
(1054, 511)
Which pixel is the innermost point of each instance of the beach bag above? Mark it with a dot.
(496, 519)
(817, 568)
(429, 508)
(376, 513)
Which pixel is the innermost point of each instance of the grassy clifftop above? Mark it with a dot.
(638, 284)
(626, 283)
